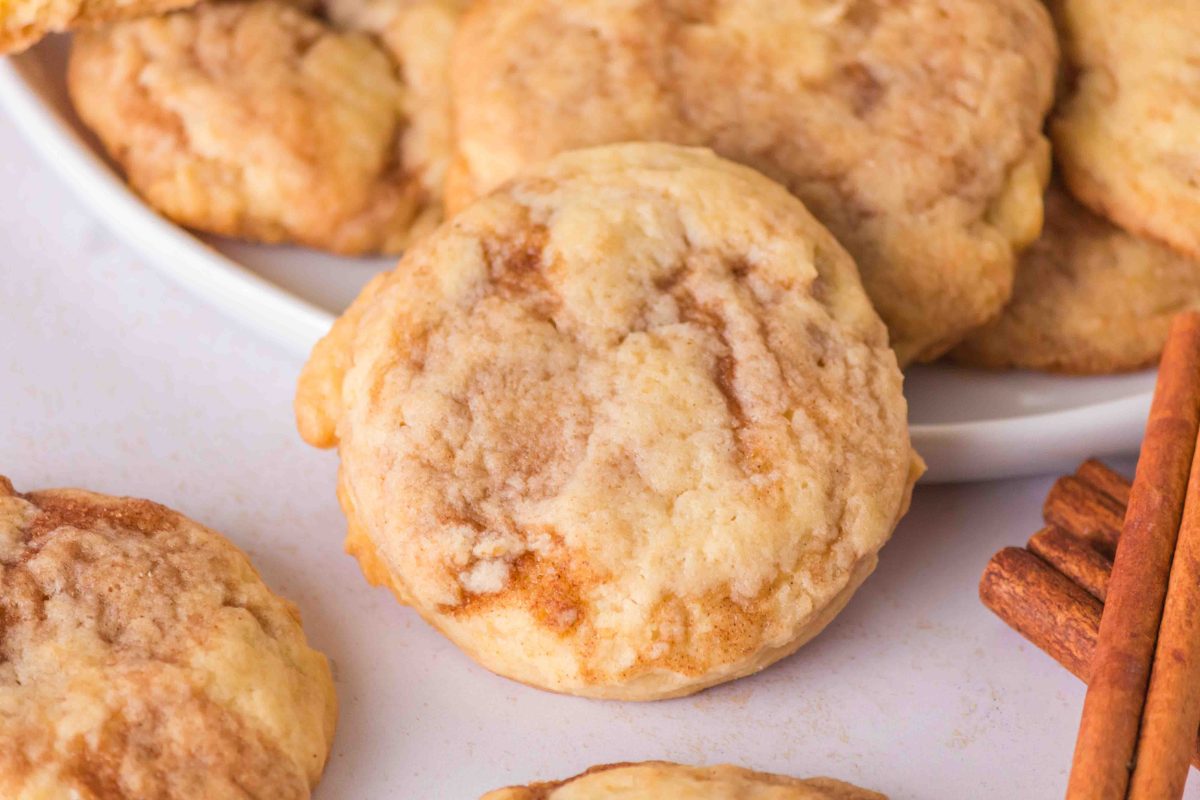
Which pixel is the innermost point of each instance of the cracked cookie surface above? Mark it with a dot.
(1127, 131)
(257, 120)
(1089, 298)
(628, 427)
(652, 780)
(141, 656)
(911, 130)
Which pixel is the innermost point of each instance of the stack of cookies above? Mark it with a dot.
(913, 132)
(626, 421)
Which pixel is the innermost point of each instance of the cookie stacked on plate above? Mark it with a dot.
(1120, 252)
(913, 132)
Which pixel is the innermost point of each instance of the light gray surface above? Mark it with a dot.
(113, 379)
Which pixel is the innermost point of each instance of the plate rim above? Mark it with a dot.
(268, 308)
(296, 324)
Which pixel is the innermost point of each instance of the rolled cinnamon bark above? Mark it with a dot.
(1044, 606)
(1075, 558)
(1079, 507)
(1172, 710)
(1120, 669)
(1112, 483)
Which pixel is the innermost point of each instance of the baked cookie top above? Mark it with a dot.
(142, 657)
(25, 22)
(911, 130)
(1127, 131)
(652, 780)
(256, 120)
(1089, 298)
(627, 427)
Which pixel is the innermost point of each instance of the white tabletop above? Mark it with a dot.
(115, 380)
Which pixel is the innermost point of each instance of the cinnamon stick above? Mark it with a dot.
(1044, 606)
(1172, 710)
(1114, 484)
(1075, 558)
(1079, 507)
(1120, 668)
(1048, 609)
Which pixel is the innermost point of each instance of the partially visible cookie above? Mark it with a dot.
(418, 34)
(142, 658)
(911, 130)
(1127, 132)
(658, 780)
(24, 22)
(256, 120)
(1089, 298)
(627, 428)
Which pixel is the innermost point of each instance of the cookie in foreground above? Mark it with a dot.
(626, 428)
(1127, 129)
(260, 121)
(1089, 298)
(142, 657)
(651, 780)
(911, 130)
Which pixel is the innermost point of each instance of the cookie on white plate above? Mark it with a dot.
(1127, 129)
(912, 130)
(261, 121)
(1090, 298)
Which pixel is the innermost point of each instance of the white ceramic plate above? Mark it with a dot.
(968, 424)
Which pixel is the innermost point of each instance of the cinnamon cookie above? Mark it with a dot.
(653, 780)
(1127, 132)
(142, 658)
(1089, 298)
(626, 428)
(418, 34)
(911, 130)
(25, 22)
(257, 120)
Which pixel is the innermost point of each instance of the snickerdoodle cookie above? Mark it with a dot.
(418, 34)
(1127, 133)
(652, 780)
(24, 22)
(1089, 298)
(261, 121)
(142, 658)
(627, 428)
(911, 130)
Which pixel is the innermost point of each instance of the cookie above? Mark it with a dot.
(911, 130)
(142, 657)
(256, 120)
(1127, 129)
(418, 34)
(626, 428)
(652, 780)
(1089, 298)
(24, 22)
